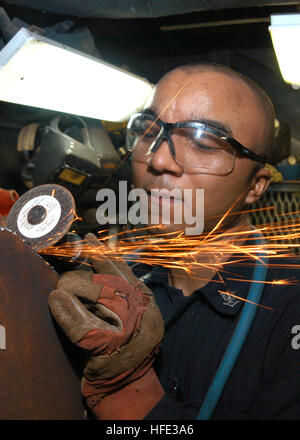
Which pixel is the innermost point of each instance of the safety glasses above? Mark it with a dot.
(195, 146)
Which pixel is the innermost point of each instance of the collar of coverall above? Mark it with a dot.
(235, 278)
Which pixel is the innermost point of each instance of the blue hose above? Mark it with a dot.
(237, 340)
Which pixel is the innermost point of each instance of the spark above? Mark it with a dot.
(217, 251)
(286, 282)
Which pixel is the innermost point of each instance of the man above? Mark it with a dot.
(221, 144)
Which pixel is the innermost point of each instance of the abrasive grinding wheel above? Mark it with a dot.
(42, 216)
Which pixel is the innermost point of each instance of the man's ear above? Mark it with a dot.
(259, 184)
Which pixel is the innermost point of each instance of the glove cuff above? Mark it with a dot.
(134, 401)
(95, 390)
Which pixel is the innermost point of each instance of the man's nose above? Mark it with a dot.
(162, 161)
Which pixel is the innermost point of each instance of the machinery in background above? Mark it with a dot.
(7, 199)
(76, 154)
(66, 151)
(282, 141)
(278, 207)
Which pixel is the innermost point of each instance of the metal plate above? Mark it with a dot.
(38, 366)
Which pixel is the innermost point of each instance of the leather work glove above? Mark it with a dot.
(113, 316)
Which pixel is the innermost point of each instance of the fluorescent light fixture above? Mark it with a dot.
(285, 33)
(39, 72)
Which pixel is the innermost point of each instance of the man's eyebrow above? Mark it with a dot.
(210, 122)
(214, 124)
(150, 111)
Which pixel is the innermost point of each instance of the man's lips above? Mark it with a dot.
(164, 194)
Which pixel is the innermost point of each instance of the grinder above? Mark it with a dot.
(42, 218)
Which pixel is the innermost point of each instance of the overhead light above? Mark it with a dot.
(39, 72)
(285, 33)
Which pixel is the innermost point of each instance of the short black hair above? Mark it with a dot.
(266, 145)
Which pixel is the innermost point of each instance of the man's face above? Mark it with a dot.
(201, 96)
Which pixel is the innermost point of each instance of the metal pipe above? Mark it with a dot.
(215, 23)
(126, 9)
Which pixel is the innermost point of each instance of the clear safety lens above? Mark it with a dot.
(197, 150)
(141, 133)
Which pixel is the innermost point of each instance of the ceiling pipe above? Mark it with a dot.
(126, 9)
(208, 24)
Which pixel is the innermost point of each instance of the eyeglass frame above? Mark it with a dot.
(167, 127)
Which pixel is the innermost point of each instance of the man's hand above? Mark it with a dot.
(113, 315)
